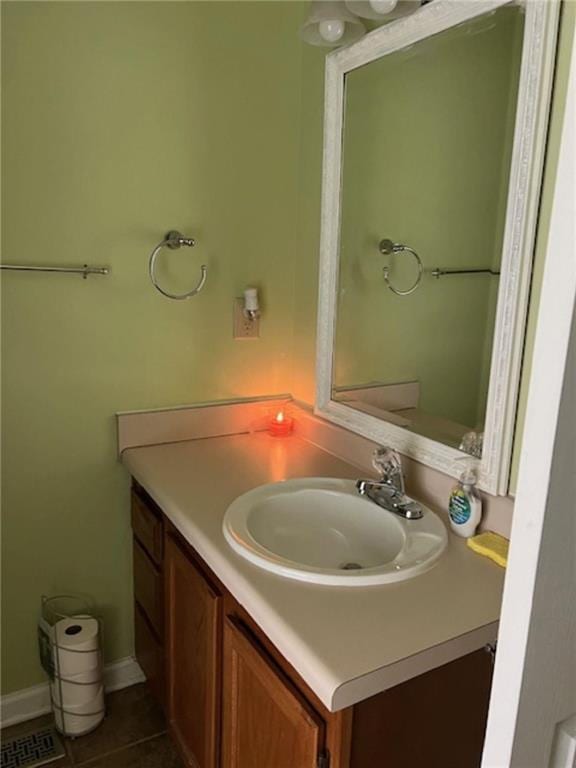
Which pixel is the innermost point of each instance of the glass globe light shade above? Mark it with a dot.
(382, 7)
(330, 23)
(382, 10)
(331, 30)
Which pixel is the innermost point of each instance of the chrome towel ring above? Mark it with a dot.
(175, 240)
(386, 247)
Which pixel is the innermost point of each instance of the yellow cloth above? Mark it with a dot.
(490, 545)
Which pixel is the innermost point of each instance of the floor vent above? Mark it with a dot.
(32, 749)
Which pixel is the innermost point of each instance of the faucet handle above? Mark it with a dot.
(386, 460)
(388, 463)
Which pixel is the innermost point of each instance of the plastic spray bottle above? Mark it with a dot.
(465, 505)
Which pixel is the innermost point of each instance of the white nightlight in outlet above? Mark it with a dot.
(251, 304)
(247, 315)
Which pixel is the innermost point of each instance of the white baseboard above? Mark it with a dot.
(122, 674)
(35, 701)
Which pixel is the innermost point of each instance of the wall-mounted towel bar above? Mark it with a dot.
(85, 270)
(387, 247)
(438, 272)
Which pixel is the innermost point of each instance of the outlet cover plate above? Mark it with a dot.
(244, 327)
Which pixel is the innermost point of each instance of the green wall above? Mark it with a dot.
(121, 121)
(308, 229)
(426, 157)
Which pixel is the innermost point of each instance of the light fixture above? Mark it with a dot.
(382, 10)
(330, 23)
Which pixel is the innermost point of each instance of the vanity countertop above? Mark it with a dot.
(346, 643)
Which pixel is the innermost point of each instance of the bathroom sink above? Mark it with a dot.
(320, 530)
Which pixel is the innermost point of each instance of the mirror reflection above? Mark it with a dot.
(426, 157)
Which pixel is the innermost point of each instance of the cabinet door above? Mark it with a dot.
(266, 721)
(192, 617)
(435, 720)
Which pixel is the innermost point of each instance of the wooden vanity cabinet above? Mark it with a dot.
(233, 701)
(229, 703)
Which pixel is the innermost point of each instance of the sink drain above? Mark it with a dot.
(351, 567)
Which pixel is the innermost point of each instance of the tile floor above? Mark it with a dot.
(133, 735)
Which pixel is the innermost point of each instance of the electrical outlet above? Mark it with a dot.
(244, 327)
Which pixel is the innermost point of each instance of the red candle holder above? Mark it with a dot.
(280, 425)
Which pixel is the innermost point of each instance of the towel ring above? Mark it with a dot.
(386, 247)
(175, 240)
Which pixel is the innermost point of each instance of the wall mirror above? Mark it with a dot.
(434, 137)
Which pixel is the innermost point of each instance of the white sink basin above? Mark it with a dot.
(322, 531)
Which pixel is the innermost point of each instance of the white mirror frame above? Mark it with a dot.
(536, 75)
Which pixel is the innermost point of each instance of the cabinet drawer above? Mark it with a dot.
(148, 588)
(147, 527)
(149, 653)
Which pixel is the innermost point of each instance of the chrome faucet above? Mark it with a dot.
(389, 492)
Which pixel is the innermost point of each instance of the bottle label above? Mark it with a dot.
(459, 508)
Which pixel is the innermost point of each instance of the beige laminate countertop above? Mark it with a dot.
(347, 643)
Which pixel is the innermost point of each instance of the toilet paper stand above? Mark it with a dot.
(70, 644)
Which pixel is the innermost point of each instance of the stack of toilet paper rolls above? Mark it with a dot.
(77, 688)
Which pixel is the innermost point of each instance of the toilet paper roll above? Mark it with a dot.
(81, 718)
(79, 689)
(76, 725)
(89, 706)
(77, 644)
(93, 675)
